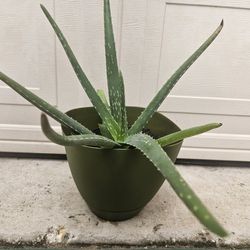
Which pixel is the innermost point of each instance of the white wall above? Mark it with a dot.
(153, 38)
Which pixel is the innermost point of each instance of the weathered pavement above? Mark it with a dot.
(40, 206)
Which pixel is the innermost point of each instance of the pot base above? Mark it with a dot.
(115, 216)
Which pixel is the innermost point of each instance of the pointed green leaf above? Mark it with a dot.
(105, 115)
(180, 135)
(75, 140)
(102, 95)
(153, 151)
(44, 106)
(115, 80)
(147, 114)
(124, 119)
(104, 131)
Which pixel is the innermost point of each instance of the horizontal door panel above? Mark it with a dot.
(243, 4)
(207, 105)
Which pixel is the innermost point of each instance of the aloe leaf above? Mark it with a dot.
(153, 151)
(124, 119)
(180, 135)
(75, 140)
(102, 95)
(44, 106)
(115, 80)
(147, 114)
(102, 110)
(104, 131)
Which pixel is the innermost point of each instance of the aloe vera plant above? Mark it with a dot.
(115, 130)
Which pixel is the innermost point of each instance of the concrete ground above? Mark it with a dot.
(40, 206)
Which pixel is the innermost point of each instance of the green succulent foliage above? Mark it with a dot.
(102, 95)
(114, 128)
(102, 127)
(102, 110)
(183, 134)
(44, 106)
(148, 112)
(154, 152)
(75, 140)
(114, 76)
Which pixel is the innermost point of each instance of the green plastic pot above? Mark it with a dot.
(117, 183)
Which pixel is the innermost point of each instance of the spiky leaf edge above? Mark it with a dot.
(153, 151)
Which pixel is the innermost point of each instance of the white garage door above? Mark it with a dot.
(154, 37)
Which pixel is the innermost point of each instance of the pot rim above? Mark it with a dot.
(120, 148)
